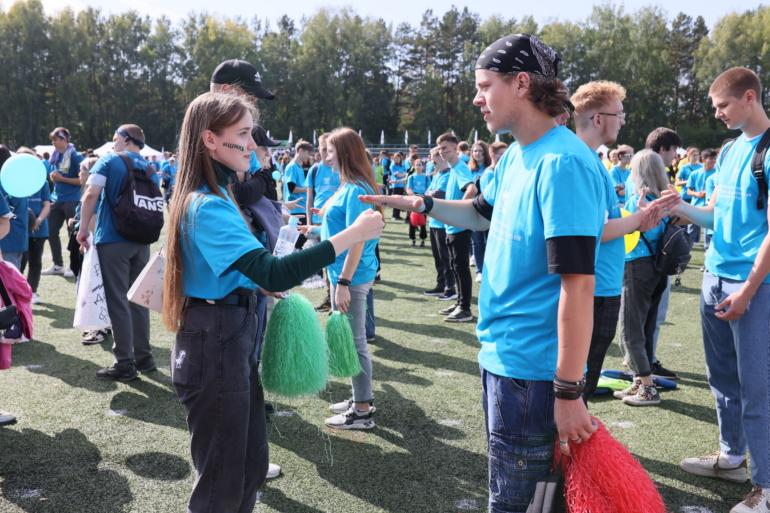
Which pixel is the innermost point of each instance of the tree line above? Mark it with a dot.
(91, 72)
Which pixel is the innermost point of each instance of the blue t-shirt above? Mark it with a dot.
(418, 183)
(67, 191)
(385, 163)
(684, 174)
(549, 188)
(465, 158)
(17, 239)
(324, 182)
(439, 183)
(110, 172)
(652, 236)
(611, 261)
(711, 183)
(486, 178)
(620, 176)
(698, 183)
(429, 168)
(739, 227)
(218, 236)
(47, 166)
(342, 211)
(398, 171)
(460, 176)
(254, 164)
(295, 174)
(35, 204)
(477, 173)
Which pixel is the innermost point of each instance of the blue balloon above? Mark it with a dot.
(276, 175)
(22, 175)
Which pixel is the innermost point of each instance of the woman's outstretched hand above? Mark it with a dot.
(408, 203)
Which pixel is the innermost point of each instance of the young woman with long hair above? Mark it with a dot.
(213, 266)
(481, 158)
(398, 181)
(643, 286)
(352, 273)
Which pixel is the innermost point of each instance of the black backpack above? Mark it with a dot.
(138, 211)
(674, 248)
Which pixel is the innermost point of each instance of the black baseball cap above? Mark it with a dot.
(261, 138)
(243, 74)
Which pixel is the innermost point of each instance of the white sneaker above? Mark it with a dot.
(68, 273)
(273, 470)
(6, 418)
(716, 465)
(36, 299)
(54, 269)
(478, 277)
(757, 501)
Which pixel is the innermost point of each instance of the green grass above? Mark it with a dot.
(427, 453)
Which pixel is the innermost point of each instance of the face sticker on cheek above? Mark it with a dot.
(233, 146)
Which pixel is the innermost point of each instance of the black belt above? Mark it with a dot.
(230, 299)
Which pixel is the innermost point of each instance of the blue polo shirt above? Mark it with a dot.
(218, 236)
(418, 183)
(620, 176)
(684, 174)
(549, 188)
(460, 176)
(439, 183)
(17, 239)
(66, 191)
(324, 182)
(110, 172)
(611, 261)
(295, 174)
(698, 183)
(398, 172)
(739, 228)
(342, 211)
(35, 204)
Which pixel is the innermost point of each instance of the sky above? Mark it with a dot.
(397, 11)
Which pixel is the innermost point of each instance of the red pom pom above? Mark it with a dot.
(417, 219)
(601, 476)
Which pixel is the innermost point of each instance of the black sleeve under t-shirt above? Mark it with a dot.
(482, 207)
(573, 254)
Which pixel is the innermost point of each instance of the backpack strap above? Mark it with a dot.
(724, 151)
(4, 294)
(758, 168)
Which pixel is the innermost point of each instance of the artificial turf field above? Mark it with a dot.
(82, 445)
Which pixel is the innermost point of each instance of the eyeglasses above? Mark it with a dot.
(620, 115)
(624, 155)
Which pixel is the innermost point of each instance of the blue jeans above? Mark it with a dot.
(479, 245)
(521, 432)
(694, 231)
(738, 368)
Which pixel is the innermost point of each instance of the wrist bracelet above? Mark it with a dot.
(568, 396)
(343, 281)
(569, 384)
(427, 204)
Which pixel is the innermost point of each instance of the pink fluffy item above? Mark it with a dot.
(601, 476)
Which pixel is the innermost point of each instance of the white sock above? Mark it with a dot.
(734, 459)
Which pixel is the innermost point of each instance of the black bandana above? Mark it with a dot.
(520, 53)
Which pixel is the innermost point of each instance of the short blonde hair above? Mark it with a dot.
(594, 95)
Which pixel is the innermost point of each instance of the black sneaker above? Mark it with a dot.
(459, 315)
(269, 409)
(146, 364)
(413, 243)
(448, 310)
(118, 372)
(658, 371)
(377, 278)
(448, 296)
(422, 243)
(325, 306)
(435, 291)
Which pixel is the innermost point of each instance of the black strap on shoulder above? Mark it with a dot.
(758, 168)
(4, 295)
(724, 151)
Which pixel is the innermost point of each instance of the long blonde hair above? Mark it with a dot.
(649, 172)
(214, 112)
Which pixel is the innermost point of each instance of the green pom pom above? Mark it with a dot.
(295, 357)
(343, 357)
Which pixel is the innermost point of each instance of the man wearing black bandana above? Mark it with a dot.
(545, 210)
